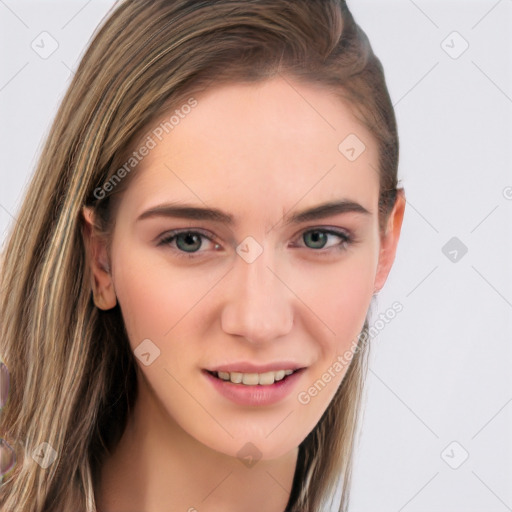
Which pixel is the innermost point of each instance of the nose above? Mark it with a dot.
(260, 304)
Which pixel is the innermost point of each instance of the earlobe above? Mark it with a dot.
(389, 241)
(97, 263)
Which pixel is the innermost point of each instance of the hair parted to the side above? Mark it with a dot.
(73, 380)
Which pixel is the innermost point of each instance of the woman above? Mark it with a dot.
(186, 290)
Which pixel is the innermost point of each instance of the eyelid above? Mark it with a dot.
(181, 231)
(344, 235)
(334, 230)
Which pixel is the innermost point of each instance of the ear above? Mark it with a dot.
(97, 260)
(389, 240)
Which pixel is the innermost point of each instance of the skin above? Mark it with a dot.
(259, 152)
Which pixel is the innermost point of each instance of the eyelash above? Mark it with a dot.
(346, 241)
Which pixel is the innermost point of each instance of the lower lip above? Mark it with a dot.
(255, 395)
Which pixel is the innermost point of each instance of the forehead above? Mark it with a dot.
(270, 143)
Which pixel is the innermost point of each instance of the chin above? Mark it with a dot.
(249, 448)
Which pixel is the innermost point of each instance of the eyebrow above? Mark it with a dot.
(187, 211)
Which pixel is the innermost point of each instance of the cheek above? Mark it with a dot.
(354, 297)
(340, 296)
(154, 298)
(141, 302)
(343, 306)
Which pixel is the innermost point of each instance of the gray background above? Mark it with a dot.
(439, 386)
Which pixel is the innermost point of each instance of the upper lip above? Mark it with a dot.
(246, 367)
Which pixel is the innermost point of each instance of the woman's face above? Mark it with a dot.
(282, 285)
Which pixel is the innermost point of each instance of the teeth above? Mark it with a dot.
(253, 379)
(236, 377)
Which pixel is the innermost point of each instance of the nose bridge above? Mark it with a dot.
(259, 306)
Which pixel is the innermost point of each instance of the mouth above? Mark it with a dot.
(251, 388)
(255, 379)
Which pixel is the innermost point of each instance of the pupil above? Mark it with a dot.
(317, 236)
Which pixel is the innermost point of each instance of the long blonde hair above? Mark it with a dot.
(73, 380)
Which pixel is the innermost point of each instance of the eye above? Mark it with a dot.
(188, 242)
(317, 239)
